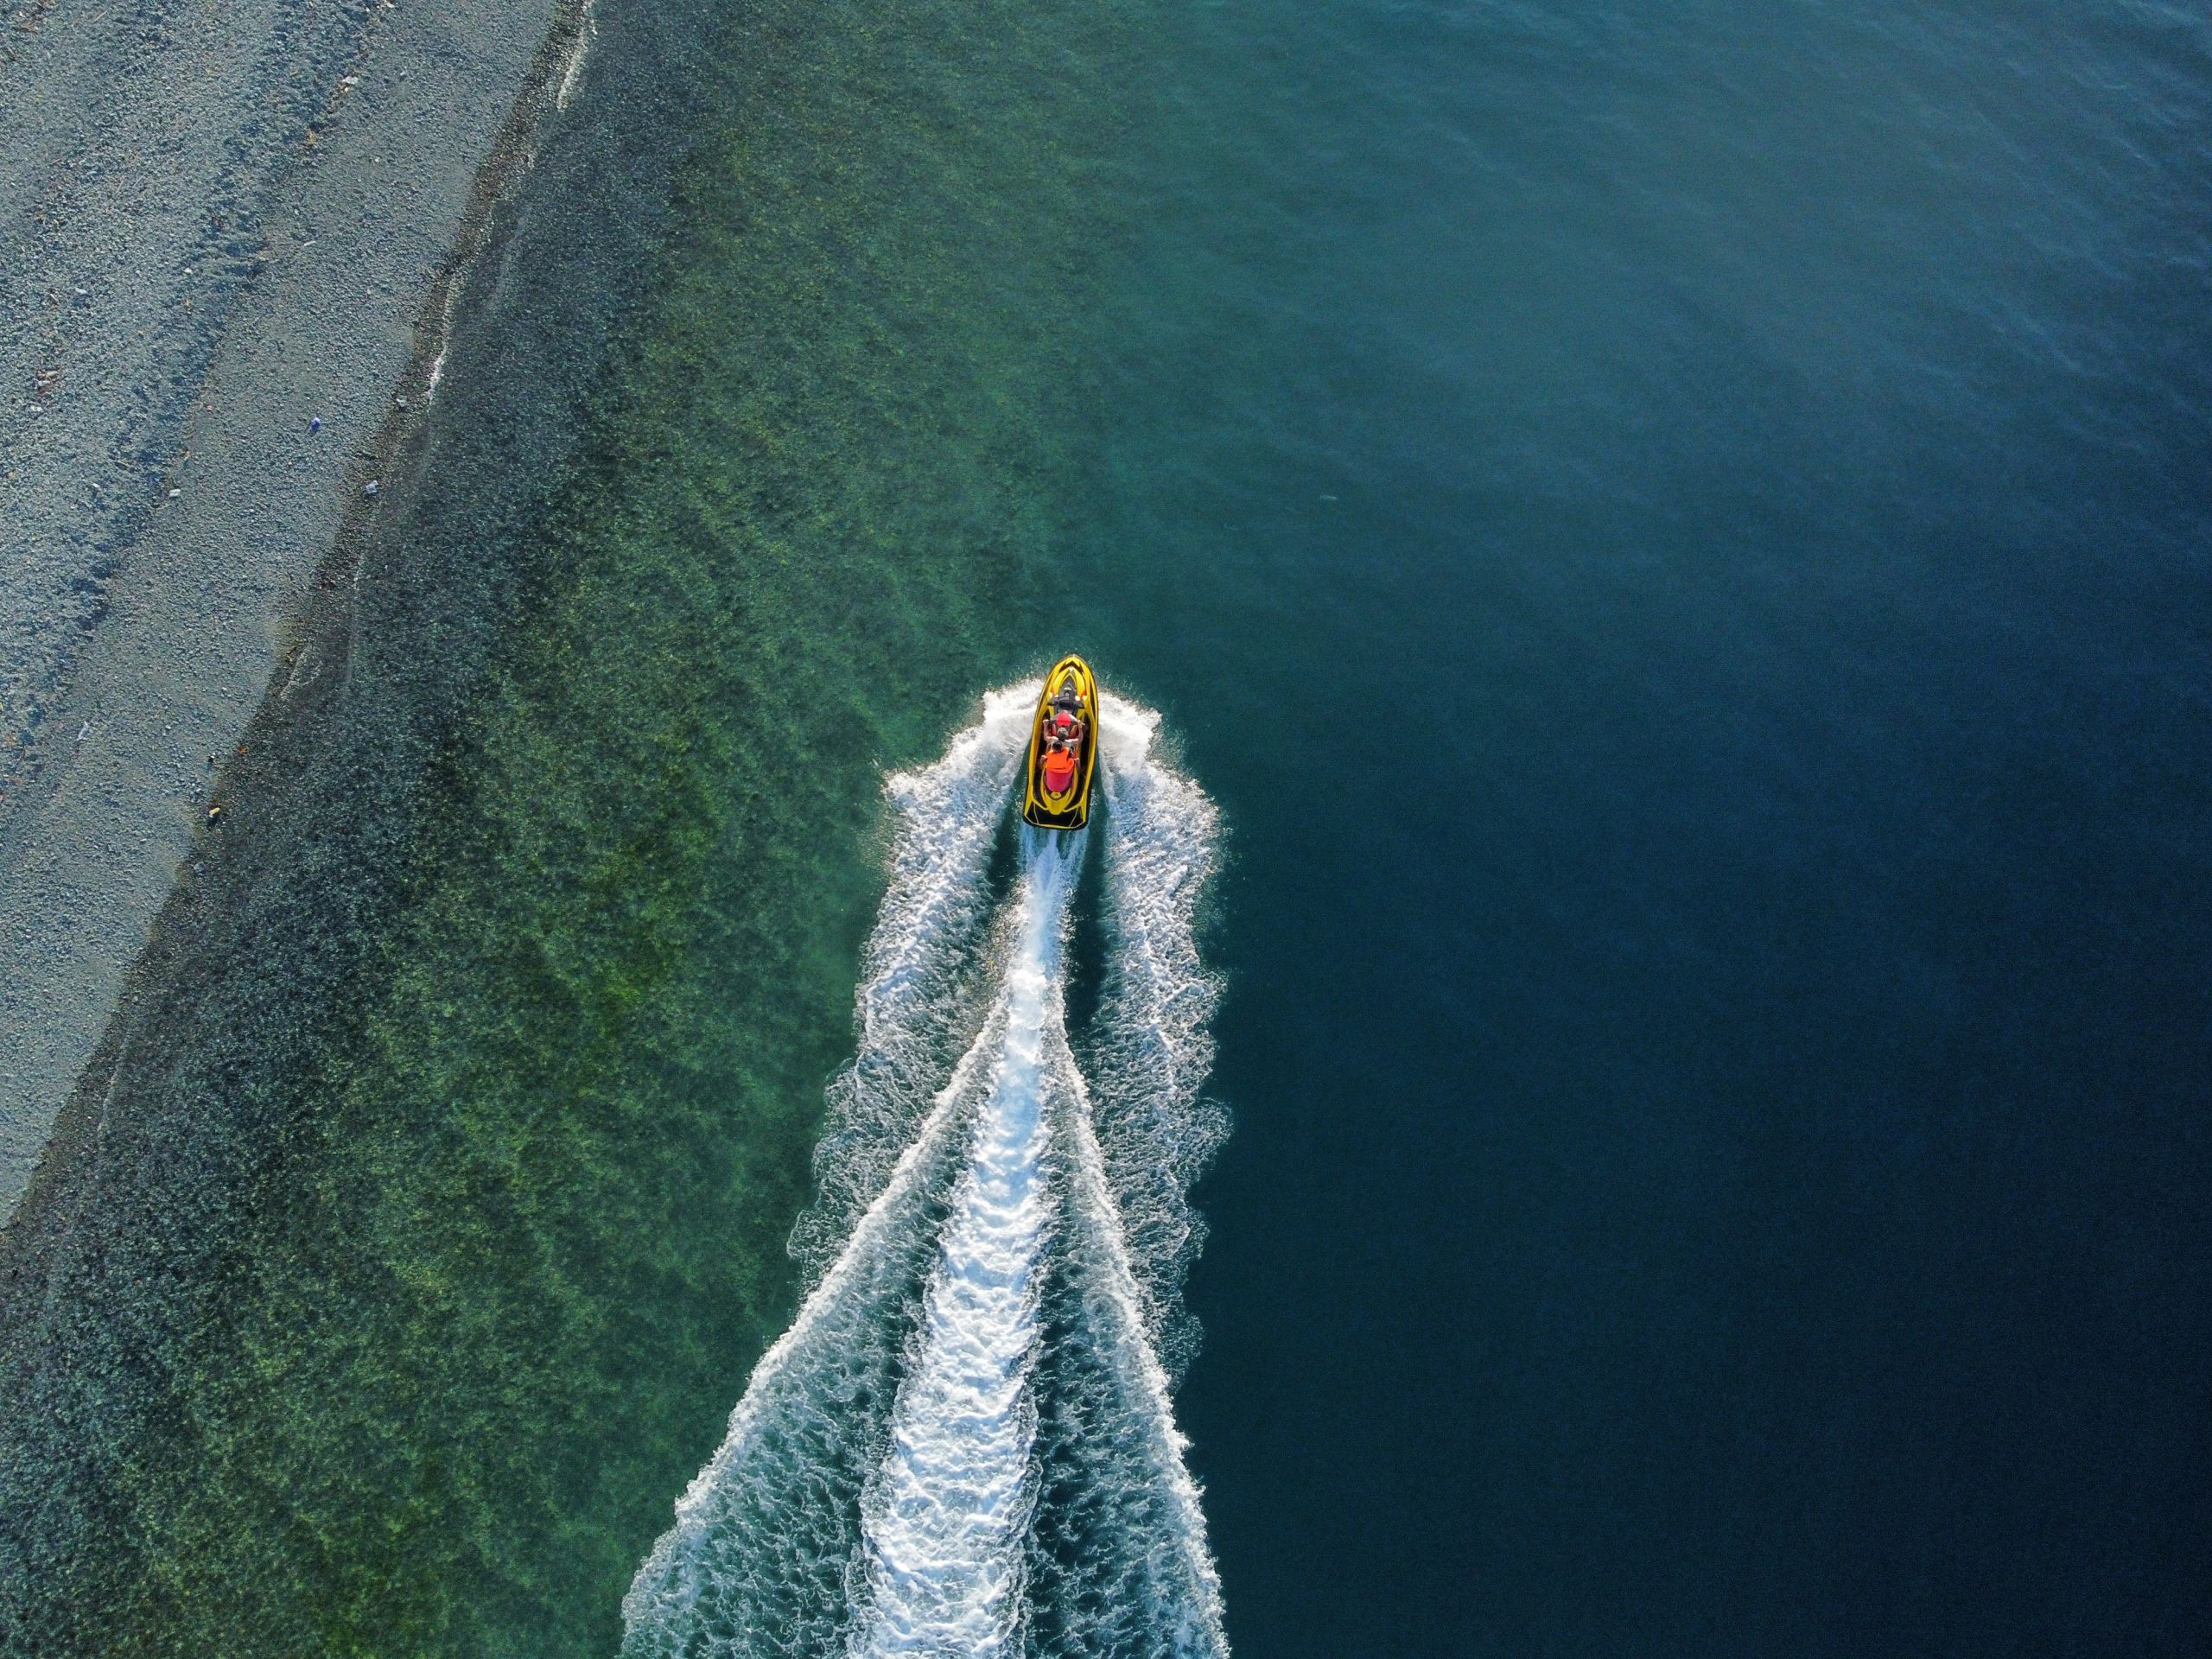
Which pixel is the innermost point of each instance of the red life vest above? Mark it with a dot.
(1059, 771)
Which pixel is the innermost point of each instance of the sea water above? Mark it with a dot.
(1674, 539)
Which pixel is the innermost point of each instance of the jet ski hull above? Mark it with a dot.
(1066, 808)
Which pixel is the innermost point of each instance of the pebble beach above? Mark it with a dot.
(234, 234)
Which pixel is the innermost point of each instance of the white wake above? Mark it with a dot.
(945, 1518)
(964, 1445)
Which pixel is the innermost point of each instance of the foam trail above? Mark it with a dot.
(756, 1562)
(1118, 1559)
(1152, 1044)
(909, 1008)
(965, 1445)
(946, 1519)
(1142, 1583)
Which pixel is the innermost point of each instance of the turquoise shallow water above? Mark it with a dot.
(1677, 544)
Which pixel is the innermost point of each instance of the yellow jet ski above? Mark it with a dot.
(1063, 749)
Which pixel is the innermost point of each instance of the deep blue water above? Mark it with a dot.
(1679, 537)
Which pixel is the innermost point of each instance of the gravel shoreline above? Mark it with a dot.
(177, 1141)
(240, 228)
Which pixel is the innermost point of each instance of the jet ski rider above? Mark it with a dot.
(1063, 739)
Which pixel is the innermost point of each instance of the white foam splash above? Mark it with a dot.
(944, 1519)
(910, 1011)
(1151, 1047)
(1172, 1584)
(756, 1562)
(995, 1278)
